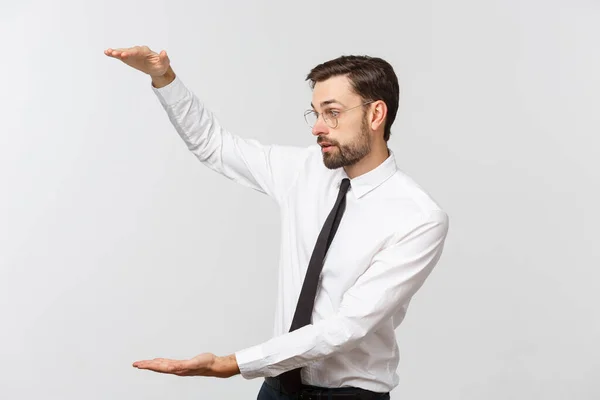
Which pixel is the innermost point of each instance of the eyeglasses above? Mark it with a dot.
(330, 116)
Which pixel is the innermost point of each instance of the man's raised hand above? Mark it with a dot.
(142, 59)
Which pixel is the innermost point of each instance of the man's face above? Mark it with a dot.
(349, 141)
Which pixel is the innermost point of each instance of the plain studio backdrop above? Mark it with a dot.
(117, 245)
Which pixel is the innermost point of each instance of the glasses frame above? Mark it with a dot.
(326, 120)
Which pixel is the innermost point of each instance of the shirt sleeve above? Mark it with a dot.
(269, 169)
(394, 276)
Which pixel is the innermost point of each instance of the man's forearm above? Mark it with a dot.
(225, 367)
(163, 80)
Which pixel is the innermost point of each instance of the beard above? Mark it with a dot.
(349, 154)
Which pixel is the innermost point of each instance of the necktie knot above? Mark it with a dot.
(345, 185)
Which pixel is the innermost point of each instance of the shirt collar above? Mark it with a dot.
(366, 182)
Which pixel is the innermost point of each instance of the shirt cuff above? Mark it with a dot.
(282, 353)
(249, 362)
(171, 93)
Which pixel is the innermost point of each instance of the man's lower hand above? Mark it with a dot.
(206, 364)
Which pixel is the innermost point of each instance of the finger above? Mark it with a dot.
(152, 365)
(115, 53)
(163, 58)
(144, 363)
(132, 52)
(162, 365)
(121, 52)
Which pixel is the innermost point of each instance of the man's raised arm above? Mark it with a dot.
(270, 169)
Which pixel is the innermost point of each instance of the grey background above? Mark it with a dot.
(117, 245)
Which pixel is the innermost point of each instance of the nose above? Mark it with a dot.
(320, 127)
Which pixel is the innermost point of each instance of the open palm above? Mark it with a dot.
(142, 59)
(197, 366)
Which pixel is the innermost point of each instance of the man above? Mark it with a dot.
(359, 236)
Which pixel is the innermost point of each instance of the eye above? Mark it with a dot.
(332, 113)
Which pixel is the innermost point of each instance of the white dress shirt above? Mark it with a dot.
(389, 239)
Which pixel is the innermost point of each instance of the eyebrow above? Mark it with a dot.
(327, 102)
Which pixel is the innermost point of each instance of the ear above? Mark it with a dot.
(378, 114)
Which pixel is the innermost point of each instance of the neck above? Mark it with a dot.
(378, 154)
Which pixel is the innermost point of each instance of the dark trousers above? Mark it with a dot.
(266, 392)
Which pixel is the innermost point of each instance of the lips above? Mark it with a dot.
(325, 147)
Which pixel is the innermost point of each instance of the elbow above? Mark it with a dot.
(342, 334)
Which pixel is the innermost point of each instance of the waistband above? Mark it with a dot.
(320, 393)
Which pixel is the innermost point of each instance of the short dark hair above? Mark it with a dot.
(372, 78)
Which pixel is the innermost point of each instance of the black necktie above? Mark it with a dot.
(291, 380)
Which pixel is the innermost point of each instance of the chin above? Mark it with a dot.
(332, 162)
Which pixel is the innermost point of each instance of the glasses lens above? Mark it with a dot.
(310, 117)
